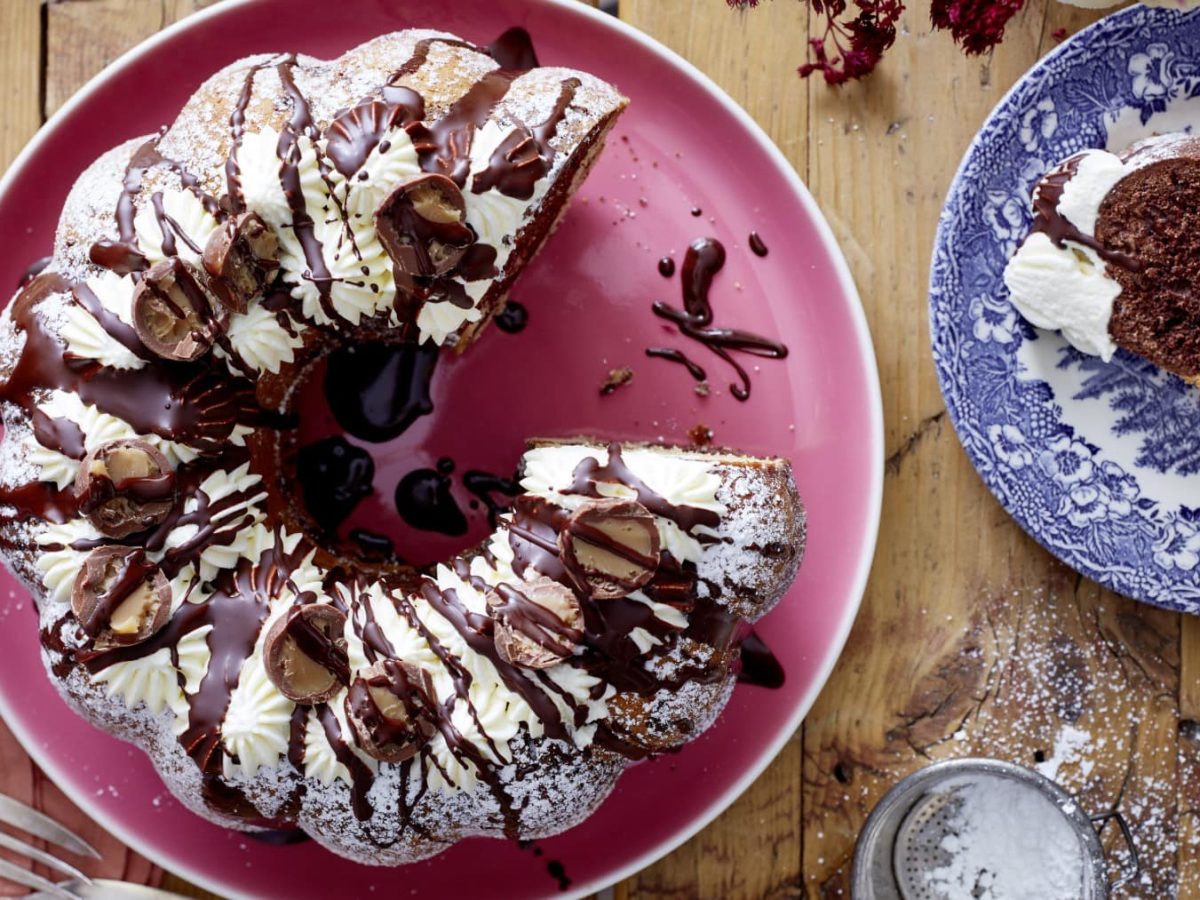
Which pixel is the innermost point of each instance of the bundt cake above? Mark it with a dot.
(1112, 259)
(147, 378)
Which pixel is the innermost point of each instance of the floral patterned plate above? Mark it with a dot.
(1100, 462)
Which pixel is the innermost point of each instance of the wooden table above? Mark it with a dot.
(971, 639)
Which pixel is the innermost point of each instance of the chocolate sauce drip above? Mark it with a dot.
(237, 130)
(514, 50)
(376, 391)
(758, 664)
(334, 475)
(703, 261)
(525, 155)
(124, 253)
(300, 124)
(61, 435)
(697, 211)
(445, 146)
(666, 267)
(485, 485)
(513, 318)
(280, 837)
(1048, 220)
(424, 500)
(122, 258)
(559, 873)
(756, 244)
(34, 269)
(590, 473)
(361, 776)
(170, 229)
(678, 356)
(353, 134)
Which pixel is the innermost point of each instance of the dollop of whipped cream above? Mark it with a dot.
(1068, 288)
(184, 220)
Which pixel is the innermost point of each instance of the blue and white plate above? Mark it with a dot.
(1100, 462)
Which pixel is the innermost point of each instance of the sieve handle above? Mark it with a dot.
(1133, 868)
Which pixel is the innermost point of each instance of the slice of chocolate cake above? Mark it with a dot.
(1113, 259)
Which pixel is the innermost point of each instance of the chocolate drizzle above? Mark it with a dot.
(1048, 220)
(525, 156)
(704, 259)
(757, 245)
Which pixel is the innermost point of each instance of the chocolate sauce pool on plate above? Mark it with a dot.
(334, 476)
(759, 665)
(376, 391)
(513, 318)
(424, 500)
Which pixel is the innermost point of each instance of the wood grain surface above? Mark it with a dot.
(971, 639)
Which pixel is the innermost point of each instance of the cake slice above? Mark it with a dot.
(1112, 259)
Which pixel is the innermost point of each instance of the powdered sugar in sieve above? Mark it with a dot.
(980, 829)
(988, 836)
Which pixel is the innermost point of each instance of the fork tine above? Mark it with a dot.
(17, 875)
(8, 842)
(27, 819)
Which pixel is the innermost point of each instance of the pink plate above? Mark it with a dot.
(682, 144)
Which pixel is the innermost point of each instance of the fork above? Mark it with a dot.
(23, 818)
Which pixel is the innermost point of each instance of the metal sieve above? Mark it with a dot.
(905, 837)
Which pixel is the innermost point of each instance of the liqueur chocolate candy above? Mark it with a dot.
(610, 547)
(538, 623)
(422, 225)
(175, 314)
(305, 653)
(119, 597)
(242, 257)
(125, 486)
(389, 707)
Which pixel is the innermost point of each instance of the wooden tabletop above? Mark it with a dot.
(971, 639)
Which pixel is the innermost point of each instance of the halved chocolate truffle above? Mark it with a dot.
(305, 653)
(390, 708)
(120, 597)
(537, 623)
(610, 547)
(125, 486)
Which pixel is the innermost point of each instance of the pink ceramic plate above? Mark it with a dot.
(682, 144)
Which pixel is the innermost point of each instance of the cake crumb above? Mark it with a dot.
(616, 378)
(700, 434)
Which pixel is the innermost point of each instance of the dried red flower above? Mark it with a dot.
(976, 25)
(850, 47)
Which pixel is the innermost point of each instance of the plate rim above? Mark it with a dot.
(874, 398)
(951, 390)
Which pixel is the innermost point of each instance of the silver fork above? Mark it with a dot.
(23, 818)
